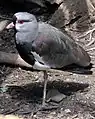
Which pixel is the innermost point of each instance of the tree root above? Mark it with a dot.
(92, 40)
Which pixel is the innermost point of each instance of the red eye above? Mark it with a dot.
(20, 21)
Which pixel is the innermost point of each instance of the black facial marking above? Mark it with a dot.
(14, 19)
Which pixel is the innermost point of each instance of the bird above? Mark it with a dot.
(44, 46)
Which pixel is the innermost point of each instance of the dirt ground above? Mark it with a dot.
(21, 90)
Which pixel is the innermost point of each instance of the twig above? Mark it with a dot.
(91, 42)
(86, 33)
(90, 39)
(12, 111)
(45, 108)
(5, 18)
(90, 49)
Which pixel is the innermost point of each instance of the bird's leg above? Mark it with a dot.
(45, 85)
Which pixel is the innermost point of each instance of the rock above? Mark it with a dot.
(55, 95)
(3, 25)
(71, 12)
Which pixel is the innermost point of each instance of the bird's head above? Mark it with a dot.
(23, 22)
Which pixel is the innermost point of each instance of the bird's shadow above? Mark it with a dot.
(34, 91)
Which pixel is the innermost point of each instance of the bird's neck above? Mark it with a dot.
(26, 37)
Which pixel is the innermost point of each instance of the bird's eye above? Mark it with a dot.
(20, 21)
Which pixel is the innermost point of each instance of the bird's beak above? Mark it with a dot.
(9, 26)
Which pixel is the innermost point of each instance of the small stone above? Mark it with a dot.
(55, 96)
(9, 117)
(19, 68)
(53, 113)
(74, 74)
(67, 110)
(34, 116)
(86, 76)
(36, 77)
(16, 76)
(68, 79)
(68, 117)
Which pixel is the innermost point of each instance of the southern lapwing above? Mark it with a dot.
(44, 46)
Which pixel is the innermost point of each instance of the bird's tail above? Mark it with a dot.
(82, 57)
